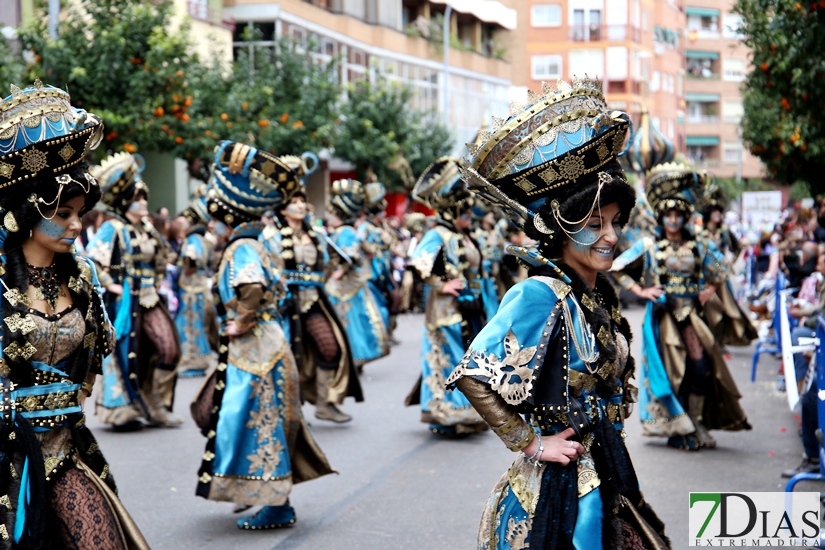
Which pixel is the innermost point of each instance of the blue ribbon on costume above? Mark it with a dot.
(659, 383)
(23, 501)
(123, 320)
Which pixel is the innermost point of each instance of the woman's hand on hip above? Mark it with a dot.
(557, 448)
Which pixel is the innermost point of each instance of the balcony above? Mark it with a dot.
(202, 12)
(599, 33)
(702, 119)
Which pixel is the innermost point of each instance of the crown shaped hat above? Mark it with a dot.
(120, 180)
(560, 139)
(41, 134)
(249, 183)
(415, 222)
(441, 188)
(348, 198)
(675, 186)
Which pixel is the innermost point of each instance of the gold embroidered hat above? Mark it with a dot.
(120, 180)
(676, 186)
(248, 182)
(42, 135)
(415, 222)
(375, 196)
(198, 211)
(562, 139)
(713, 198)
(348, 198)
(441, 188)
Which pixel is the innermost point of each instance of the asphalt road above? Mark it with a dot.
(400, 487)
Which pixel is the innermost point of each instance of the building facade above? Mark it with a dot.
(717, 63)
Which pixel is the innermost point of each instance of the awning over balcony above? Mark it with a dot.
(696, 54)
(702, 98)
(489, 11)
(701, 141)
(702, 12)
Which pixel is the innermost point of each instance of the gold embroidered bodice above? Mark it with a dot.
(57, 336)
(683, 262)
(307, 253)
(143, 258)
(472, 254)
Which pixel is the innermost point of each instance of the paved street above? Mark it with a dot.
(400, 487)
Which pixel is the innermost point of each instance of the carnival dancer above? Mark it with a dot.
(139, 378)
(450, 263)
(551, 371)
(712, 204)
(58, 491)
(347, 286)
(412, 287)
(319, 341)
(258, 443)
(491, 244)
(195, 319)
(683, 369)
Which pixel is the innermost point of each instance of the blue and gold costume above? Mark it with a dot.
(686, 387)
(138, 380)
(351, 296)
(445, 254)
(491, 243)
(195, 318)
(258, 443)
(555, 357)
(57, 489)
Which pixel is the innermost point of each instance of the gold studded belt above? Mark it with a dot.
(45, 406)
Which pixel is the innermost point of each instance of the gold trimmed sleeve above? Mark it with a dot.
(250, 297)
(507, 424)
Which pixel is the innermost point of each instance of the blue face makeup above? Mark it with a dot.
(220, 228)
(51, 229)
(674, 224)
(585, 238)
(135, 207)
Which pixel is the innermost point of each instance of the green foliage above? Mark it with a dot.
(734, 189)
(784, 96)
(799, 190)
(13, 69)
(383, 138)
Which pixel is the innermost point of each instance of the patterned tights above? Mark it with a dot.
(81, 516)
(161, 333)
(319, 329)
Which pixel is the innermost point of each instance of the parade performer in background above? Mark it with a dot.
(683, 368)
(450, 263)
(319, 341)
(379, 240)
(412, 287)
(491, 244)
(195, 319)
(58, 491)
(713, 205)
(347, 286)
(551, 371)
(258, 443)
(139, 377)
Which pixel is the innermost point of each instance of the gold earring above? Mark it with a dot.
(539, 224)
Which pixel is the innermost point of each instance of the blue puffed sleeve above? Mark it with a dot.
(503, 354)
(630, 255)
(348, 241)
(101, 245)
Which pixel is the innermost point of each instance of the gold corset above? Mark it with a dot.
(57, 336)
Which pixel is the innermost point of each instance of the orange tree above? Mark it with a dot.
(784, 95)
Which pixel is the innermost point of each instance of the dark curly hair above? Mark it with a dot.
(17, 275)
(574, 204)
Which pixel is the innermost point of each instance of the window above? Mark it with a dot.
(732, 110)
(545, 15)
(589, 62)
(670, 128)
(655, 82)
(707, 24)
(734, 69)
(544, 67)
(731, 151)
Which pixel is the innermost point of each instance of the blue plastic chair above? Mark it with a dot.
(771, 344)
(820, 380)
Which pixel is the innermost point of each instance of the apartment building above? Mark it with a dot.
(633, 46)
(717, 63)
(402, 39)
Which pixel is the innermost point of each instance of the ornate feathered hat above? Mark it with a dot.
(42, 136)
(249, 183)
(676, 186)
(713, 198)
(120, 180)
(441, 188)
(348, 198)
(544, 164)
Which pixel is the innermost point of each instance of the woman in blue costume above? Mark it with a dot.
(319, 341)
(491, 243)
(195, 318)
(138, 383)
(550, 372)
(686, 387)
(347, 287)
(450, 264)
(258, 443)
(57, 490)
